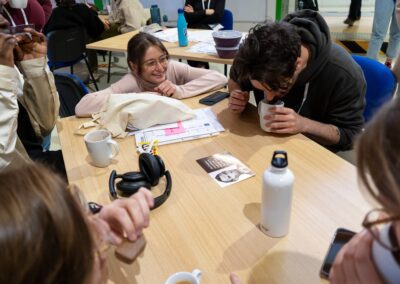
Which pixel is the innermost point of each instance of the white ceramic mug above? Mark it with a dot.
(102, 149)
(18, 4)
(263, 110)
(185, 277)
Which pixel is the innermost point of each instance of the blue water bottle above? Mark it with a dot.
(155, 14)
(182, 29)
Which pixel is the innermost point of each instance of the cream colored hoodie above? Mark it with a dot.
(37, 92)
(130, 14)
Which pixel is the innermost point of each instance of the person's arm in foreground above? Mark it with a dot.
(126, 218)
(353, 264)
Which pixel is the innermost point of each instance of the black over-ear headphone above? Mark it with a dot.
(151, 170)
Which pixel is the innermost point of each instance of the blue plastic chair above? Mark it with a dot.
(227, 20)
(381, 84)
(70, 90)
(66, 48)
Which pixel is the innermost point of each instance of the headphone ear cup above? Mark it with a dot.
(161, 165)
(127, 188)
(150, 167)
(133, 176)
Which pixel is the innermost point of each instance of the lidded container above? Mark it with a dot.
(155, 14)
(182, 29)
(277, 191)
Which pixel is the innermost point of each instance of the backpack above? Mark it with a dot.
(307, 4)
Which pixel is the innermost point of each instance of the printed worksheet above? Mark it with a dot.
(205, 124)
(225, 169)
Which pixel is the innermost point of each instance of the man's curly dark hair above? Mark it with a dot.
(269, 54)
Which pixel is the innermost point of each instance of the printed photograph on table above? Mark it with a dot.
(225, 169)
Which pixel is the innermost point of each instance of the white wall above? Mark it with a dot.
(249, 11)
(167, 7)
(243, 10)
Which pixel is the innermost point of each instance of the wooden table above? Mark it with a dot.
(216, 229)
(119, 43)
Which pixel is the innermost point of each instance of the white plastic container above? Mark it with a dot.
(277, 191)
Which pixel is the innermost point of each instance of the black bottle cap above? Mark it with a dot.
(278, 161)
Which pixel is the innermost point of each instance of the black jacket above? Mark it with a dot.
(198, 19)
(336, 82)
(79, 15)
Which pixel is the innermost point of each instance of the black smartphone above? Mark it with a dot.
(214, 98)
(341, 237)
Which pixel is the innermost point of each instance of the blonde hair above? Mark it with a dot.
(44, 237)
(378, 157)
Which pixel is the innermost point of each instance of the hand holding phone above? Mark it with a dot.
(214, 98)
(341, 237)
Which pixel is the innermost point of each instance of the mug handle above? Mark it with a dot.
(197, 274)
(115, 146)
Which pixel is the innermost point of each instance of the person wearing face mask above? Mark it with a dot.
(29, 102)
(152, 71)
(295, 61)
(369, 253)
(49, 236)
(24, 13)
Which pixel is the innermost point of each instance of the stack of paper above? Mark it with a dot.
(205, 124)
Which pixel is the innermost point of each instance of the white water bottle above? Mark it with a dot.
(277, 196)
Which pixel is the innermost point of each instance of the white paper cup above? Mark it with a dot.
(102, 149)
(263, 110)
(185, 277)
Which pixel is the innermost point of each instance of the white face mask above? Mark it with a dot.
(384, 259)
(18, 4)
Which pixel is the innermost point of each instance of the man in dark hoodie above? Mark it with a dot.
(295, 61)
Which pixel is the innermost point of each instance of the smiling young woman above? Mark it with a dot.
(152, 71)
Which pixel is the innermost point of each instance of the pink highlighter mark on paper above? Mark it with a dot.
(176, 130)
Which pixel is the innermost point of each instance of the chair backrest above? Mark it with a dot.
(66, 45)
(227, 20)
(70, 90)
(381, 84)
